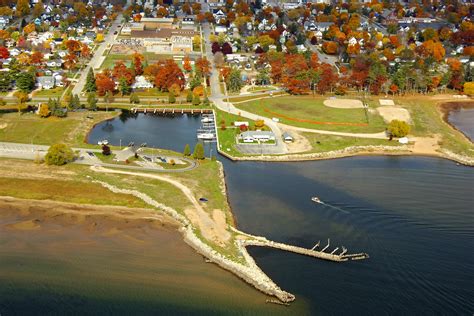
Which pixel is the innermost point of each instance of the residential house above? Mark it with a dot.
(45, 82)
(141, 83)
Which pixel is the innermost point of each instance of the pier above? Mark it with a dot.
(171, 111)
(320, 254)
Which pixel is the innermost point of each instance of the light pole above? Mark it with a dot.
(120, 144)
(210, 154)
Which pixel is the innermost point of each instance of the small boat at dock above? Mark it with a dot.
(207, 120)
(206, 136)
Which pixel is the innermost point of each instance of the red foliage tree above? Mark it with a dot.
(4, 53)
(187, 64)
(215, 47)
(203, 66)
(137, 61)
(121, 71)
(328, 79)
(169, 74)
(104, 83)
(226, 48)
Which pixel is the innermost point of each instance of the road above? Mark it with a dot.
(87, 156)
(98, 57)
(218, 98)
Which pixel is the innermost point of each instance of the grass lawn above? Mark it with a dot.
(30, 128)
(51, 93)
(309, 108)
(253, 97)
(261, 89)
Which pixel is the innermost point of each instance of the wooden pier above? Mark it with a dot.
(320, 254)
(159, 111)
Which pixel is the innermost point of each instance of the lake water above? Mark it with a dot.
(414, 216)
(463, 119)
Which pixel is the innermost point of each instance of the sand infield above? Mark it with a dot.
(344, 103)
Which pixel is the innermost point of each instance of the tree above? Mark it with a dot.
(187, 150)
(4, 52)
(44, 110)
(124, 87)
(25, 82)
(38, 9)
(189, 96)
(198, 151)
(99, 38)
(104, 83)
(234, 81)
(168, 75)
(90, 82)
(171, 98)
(5, 81)
(398, 128)
(22, 8)
(58, 155)
(187, 64)
(106, 150)
(29, 28)
(74, 102)
(469, 88)
(134, 99)
(196, 100)
(330, 48)
(92, 101)
(137, 60)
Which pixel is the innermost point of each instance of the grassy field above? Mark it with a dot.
(313, 109)
(30, 128)
(51, 93)
(253, 97)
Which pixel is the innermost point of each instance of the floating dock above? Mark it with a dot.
(171, 111)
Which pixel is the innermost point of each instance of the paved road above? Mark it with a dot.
(98, 57)
(86, 157)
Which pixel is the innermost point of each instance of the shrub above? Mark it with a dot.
(398, 128)
(58, 155)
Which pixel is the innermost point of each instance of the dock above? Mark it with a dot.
(313, 252)
(159, 111)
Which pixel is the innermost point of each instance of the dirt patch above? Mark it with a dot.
(390, 113)
(3, 125)
(120, 49)
(344, 103)
(426, 145)
(300, 143)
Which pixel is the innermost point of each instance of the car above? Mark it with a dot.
(115, 33)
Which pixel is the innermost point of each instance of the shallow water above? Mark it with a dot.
(463, 119)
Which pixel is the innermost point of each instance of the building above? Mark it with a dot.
(141, 83)
(156, 23)
(256, 136)
(166, 40)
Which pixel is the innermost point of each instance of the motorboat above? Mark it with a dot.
(206, 136)
(316, 199)
(207, 120)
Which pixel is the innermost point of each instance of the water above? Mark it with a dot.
(413, 215)
(463, 119)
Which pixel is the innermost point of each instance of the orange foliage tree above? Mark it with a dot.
(330, 47)
(169, 74)
(104, 83)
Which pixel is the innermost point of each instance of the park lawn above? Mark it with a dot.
(261, 89)
(325, 143)
(51, 93)
(309, 108)
(256, 97)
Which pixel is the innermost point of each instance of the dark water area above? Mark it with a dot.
(463, 119)
(414, 216)
(167, 132)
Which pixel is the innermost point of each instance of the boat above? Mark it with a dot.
(207, 120)
(207, 136)
(316, 199)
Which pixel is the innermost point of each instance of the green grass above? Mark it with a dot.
(261, 89)
(51, 93)
(309, 108)
(253, 97)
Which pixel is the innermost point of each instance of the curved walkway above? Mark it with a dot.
(379, 135)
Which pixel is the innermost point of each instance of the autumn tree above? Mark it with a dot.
(203, 66)
(38, 9)
(187, 64)
(104, 83)
(330, 47)
(22, 8)
(4, 52)
(137, 61)
(168, 75)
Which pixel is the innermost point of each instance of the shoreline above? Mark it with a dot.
(353, 152)
(446, 108)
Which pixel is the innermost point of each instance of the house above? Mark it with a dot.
(55, 63)
(221, 29)
(287, 137)
(45, 82)
(141, 83)
(257, 136)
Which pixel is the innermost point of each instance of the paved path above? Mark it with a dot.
(380, 135)
(98, 57)
(86, 157)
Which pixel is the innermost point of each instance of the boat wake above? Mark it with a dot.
(317, 200)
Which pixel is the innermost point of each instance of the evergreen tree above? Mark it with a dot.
(198, 151)
(234, 81)
(74, 102)
(189, 96)
(195, 81)
(187, 150)
(25, 82)
(92, 101)
(124, 88)
(90, 82)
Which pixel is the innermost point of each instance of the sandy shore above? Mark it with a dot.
(36, 212)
